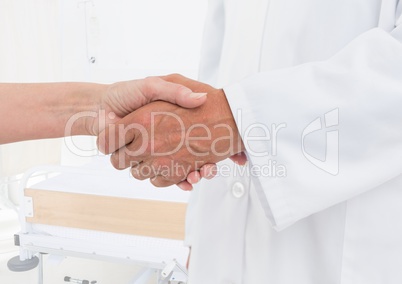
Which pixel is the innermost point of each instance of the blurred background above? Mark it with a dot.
(96, 41)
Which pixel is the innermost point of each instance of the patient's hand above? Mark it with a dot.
(165, 142)
(124, 97)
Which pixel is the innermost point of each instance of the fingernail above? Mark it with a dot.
(198, 95)
(191, 181)
(184, 187)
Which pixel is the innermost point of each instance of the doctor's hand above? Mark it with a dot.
(122, 98)
(165, 142)
(207, 171)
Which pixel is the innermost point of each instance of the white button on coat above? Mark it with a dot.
(238, 189)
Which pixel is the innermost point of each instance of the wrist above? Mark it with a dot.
(86, 108)
(226, 110)
(99, 114)
(223, 139)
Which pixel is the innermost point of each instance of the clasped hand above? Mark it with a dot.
(170, 144)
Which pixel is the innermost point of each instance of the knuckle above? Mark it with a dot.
(174, 77)
(151, 79)
(136, 173)
(181, 89)
(115, 161)
(149, 85)
(118, 160)
(159, 181)
(103, 144)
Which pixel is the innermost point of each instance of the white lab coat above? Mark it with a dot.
(292, 62)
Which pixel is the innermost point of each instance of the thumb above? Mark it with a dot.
(159, 89)
(117, 135)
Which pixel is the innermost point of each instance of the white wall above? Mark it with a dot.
(131, 39)
(128, 39)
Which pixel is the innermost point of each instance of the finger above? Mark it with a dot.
(115, 136)
(194, 177)
(123, 159)
(155, 88)
(161, 181)
(185, 185)
(162, 170)
(209, 171)
(142, 171)
(240, 158)
(133, 153)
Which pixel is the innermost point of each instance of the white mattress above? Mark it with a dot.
(100, 178)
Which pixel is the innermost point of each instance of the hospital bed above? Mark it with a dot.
(98, 212)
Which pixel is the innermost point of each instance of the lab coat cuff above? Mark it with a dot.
(269, 193)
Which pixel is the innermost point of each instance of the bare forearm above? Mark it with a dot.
(36, 111)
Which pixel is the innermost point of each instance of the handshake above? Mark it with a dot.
(171, 130)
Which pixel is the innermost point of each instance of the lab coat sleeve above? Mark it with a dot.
(338, 126)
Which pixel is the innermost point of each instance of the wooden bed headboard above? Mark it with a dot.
(152, 218)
